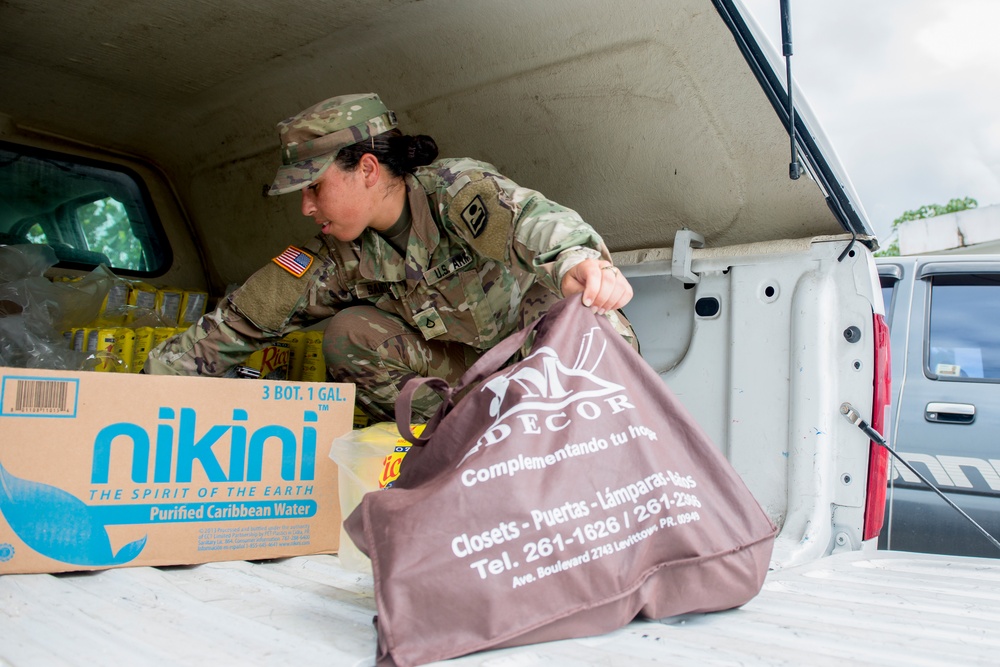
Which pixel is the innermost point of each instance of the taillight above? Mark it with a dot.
(878, 457)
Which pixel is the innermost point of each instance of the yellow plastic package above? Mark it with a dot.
(268, 363)
(368, 460)
(168, 305)
(296, 342)
(112, 312)
(143, 344)
(192, 308)
(141, 301)
(313, 361)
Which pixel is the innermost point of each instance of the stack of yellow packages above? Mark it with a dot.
(134, 318)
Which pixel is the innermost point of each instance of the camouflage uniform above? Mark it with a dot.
(484, 257)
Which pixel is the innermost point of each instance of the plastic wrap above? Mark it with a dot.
(34, 312)
(368, 460)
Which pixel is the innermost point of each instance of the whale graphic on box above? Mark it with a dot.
(59, 525)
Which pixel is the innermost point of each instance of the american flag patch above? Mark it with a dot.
(294, 261)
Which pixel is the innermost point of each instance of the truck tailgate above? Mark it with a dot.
(879, 608)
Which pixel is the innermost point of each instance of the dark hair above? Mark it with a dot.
(401, 153)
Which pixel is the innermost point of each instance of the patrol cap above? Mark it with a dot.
(311, 139)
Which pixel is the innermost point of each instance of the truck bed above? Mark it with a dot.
(863, 608)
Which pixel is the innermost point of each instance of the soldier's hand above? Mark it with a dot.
(603, 286)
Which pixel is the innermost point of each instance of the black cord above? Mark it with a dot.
(854, 237)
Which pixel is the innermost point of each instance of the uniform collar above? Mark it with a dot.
(381, 263)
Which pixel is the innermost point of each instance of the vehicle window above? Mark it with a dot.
(964, 339)
(89, 212)
(888, 287)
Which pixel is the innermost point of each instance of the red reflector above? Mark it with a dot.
(878, 458)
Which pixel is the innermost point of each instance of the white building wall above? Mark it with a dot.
(973, 231)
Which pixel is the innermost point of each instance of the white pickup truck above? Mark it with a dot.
(663, 123)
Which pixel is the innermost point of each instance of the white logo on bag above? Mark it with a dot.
(542, 398)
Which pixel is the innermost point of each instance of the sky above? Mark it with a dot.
(906, 91)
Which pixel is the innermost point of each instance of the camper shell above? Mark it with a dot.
(665, 125)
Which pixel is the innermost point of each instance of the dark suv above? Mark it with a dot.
(944, 318)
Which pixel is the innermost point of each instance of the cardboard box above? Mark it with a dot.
(104, 470)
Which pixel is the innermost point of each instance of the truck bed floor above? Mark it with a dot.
(882, 608)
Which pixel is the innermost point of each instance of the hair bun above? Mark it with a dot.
(422, 150)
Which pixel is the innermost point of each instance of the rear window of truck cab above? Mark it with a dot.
(89, 212)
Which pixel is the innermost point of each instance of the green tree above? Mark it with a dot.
(925, 211)
(107, 229)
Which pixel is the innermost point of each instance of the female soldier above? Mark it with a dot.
(421, 265)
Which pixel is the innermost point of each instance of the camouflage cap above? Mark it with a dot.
(311, 139)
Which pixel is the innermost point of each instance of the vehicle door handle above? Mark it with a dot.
(950, 413)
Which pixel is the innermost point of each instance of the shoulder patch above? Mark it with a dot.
(478, 209)
(475, 216)
(270, 296)
(294, 260)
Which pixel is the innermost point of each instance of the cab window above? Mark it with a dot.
(964, 340)
(88, 212)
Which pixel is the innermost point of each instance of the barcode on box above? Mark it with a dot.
(38, 397)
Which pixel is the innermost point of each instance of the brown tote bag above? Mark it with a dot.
(559, 497)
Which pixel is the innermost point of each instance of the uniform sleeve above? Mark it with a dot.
(521, 227)
(212, 346)
(552, 238)
(271, 303)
